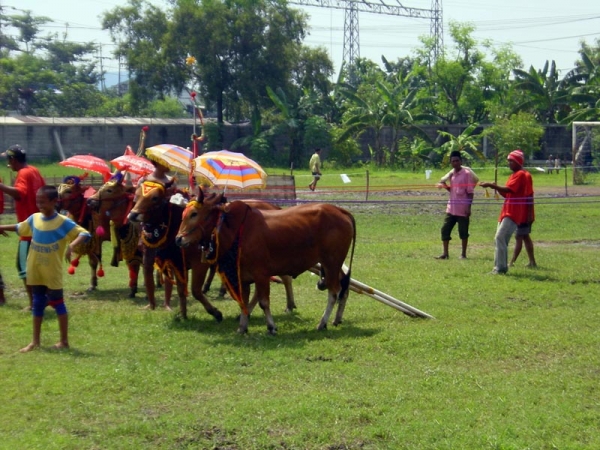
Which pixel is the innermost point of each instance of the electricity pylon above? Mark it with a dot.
(352, 32)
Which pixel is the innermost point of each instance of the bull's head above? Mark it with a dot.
(151, 196)
(199, 219)
(112, 200)
(113, 189)
(70, 192)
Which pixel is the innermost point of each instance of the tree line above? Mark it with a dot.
(246, 61)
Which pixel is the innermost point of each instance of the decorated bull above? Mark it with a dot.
(159, 219)
(112, 202)
(195, 260)
(249, 246)
(72, 199)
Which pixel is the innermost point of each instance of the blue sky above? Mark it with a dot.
(539, 30)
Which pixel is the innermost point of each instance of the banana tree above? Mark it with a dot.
(585, 95)
(386, 104)
(466, 143)
(545, 95)
(290, 119)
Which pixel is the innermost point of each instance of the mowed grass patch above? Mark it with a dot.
(509, 361)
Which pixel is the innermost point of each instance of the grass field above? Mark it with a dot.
(509, 362)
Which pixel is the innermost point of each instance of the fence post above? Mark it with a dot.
(367, 191)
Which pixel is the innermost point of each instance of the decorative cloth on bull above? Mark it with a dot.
(155, 233)
(159, 233)
(228, 264)
(125, 240)
(169, 258)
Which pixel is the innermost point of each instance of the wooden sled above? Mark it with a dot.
(362, 288)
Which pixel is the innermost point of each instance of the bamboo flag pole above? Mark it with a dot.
(496, 196)
(386, 299)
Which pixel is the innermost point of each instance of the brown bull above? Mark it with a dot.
(72, 200)
(201, 269)
(112, 202)
(155, 211)
(249, 246)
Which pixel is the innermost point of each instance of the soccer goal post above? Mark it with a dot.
(586, 149)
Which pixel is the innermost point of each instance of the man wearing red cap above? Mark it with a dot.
(517, 210)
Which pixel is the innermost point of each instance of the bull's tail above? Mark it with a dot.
(345, 281)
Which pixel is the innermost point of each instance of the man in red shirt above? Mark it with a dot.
(27, 183)
(517, 210)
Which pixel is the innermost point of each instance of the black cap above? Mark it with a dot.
(14, 150)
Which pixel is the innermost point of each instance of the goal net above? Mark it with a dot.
(586, 149)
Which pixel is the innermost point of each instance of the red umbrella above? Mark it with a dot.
(88, 162)
(134, 164)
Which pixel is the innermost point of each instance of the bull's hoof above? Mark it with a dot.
(218, 316)
(321, 285)
(132, 292)
(91, 289)
(322, 326)
(206, 289)
(336, 323)
(272, 331)
(242, 330)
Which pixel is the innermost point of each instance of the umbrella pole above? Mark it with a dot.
(194, 145)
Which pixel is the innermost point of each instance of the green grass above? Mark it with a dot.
(510, 362)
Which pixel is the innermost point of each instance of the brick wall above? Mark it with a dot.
(107, 138)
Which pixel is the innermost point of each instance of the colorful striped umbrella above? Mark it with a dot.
(174, 157)
(229, 170)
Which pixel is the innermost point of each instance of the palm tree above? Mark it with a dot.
(547, 97)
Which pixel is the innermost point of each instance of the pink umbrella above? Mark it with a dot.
(134, 164)
(88, 162)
